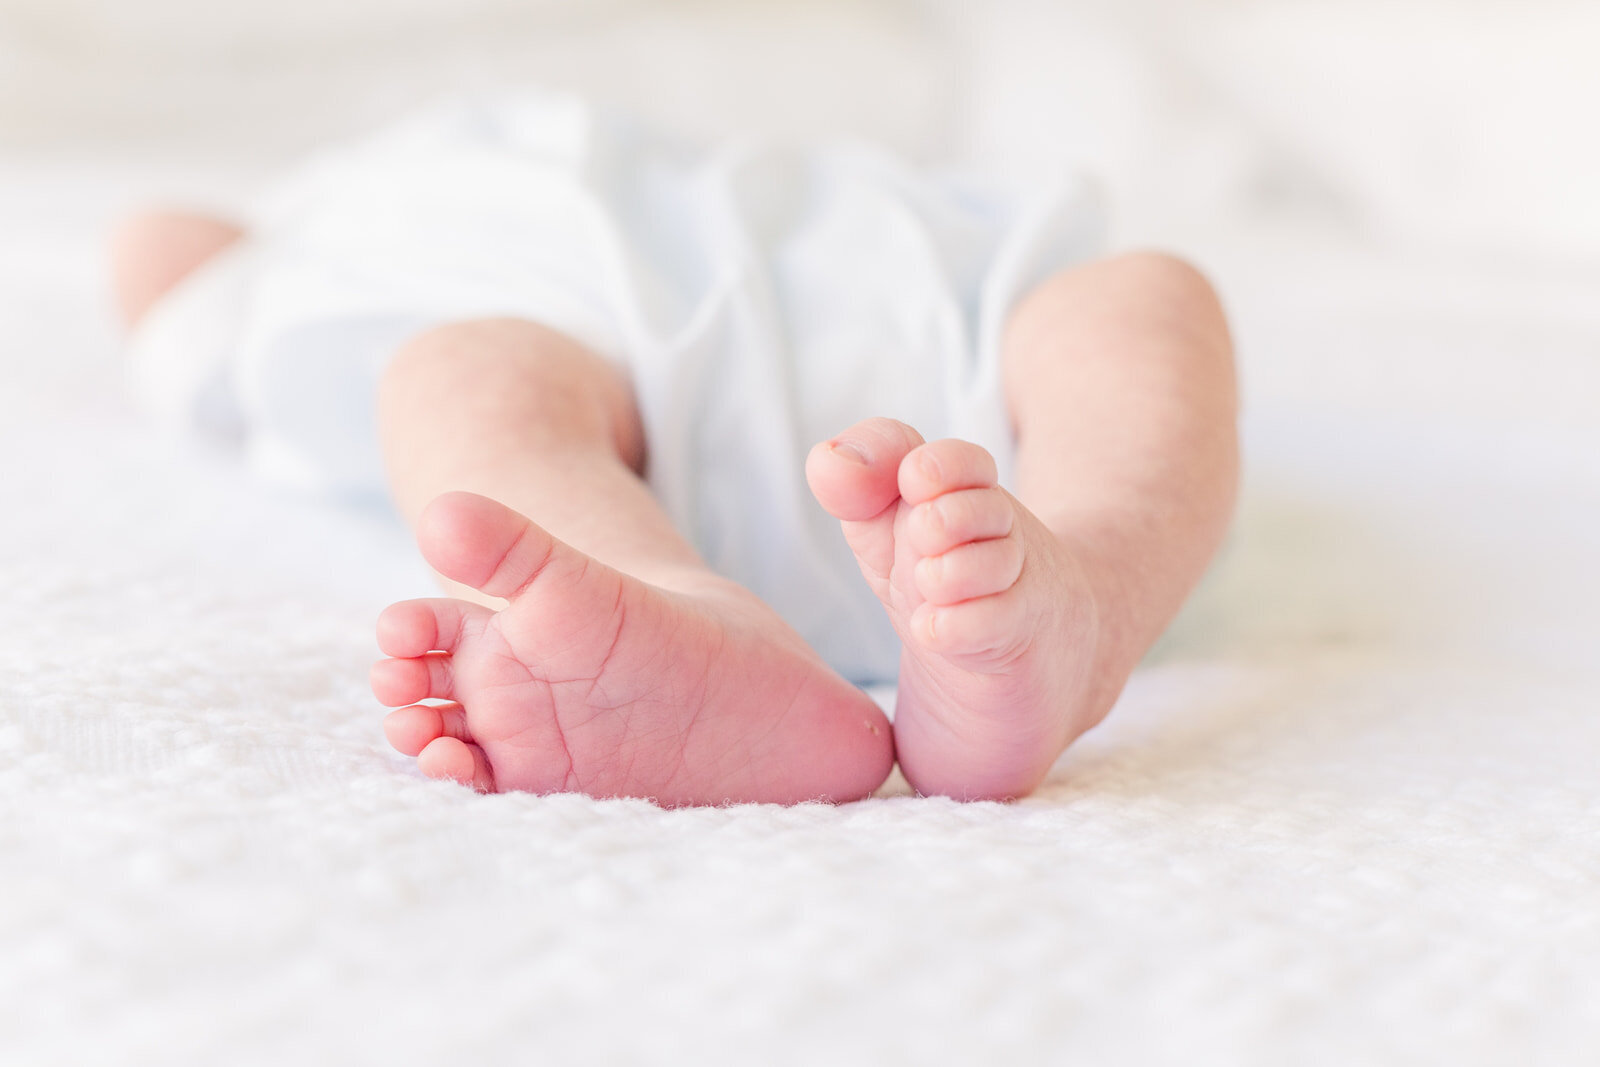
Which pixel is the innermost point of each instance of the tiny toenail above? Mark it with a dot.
(929, 465)
(850, 451)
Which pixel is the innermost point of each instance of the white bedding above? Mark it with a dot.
(1347, 812)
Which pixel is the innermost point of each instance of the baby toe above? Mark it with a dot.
(415, 627)
(396, 682)
(481, 543)
(412, 729)
(991, 626)
(853, 475)
(975, 569)
(458, 761)
(936, 526)
(945, 466)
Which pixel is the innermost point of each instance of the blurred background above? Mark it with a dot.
(1274, 140)
(1466, 122)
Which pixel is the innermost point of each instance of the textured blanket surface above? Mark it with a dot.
(1347, 812)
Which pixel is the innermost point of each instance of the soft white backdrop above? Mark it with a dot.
(1463, 122)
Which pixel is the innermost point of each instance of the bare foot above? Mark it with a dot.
(592, 681)
(997, 616)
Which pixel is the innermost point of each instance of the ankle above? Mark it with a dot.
(1112, 618)
(689, 579)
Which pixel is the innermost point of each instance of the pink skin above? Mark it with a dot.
(1021, 617)
(596, 682)
(593, 681)
(996, 615)
(155, 250)
(624, 666)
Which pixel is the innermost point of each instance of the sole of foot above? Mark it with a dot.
(997, 617)
(593, 681)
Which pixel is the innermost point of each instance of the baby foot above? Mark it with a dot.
(996, 616)
(592, 681)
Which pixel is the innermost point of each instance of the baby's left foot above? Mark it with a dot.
(997, 616)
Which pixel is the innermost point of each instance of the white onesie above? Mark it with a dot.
(762, 299)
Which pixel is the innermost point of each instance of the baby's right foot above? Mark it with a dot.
(592, 681)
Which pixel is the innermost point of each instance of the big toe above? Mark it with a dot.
(945, 466)
(854, 476)
(481, 543)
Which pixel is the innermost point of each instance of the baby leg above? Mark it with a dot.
(154, 250)
(1022, 617)
(591, 649)
(1121, 384)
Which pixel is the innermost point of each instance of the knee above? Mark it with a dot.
(1169, 283)
(138, 238)
(1161, 291)
(492, 366)
(1170, 274)
(152, 251)
(494, 355)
